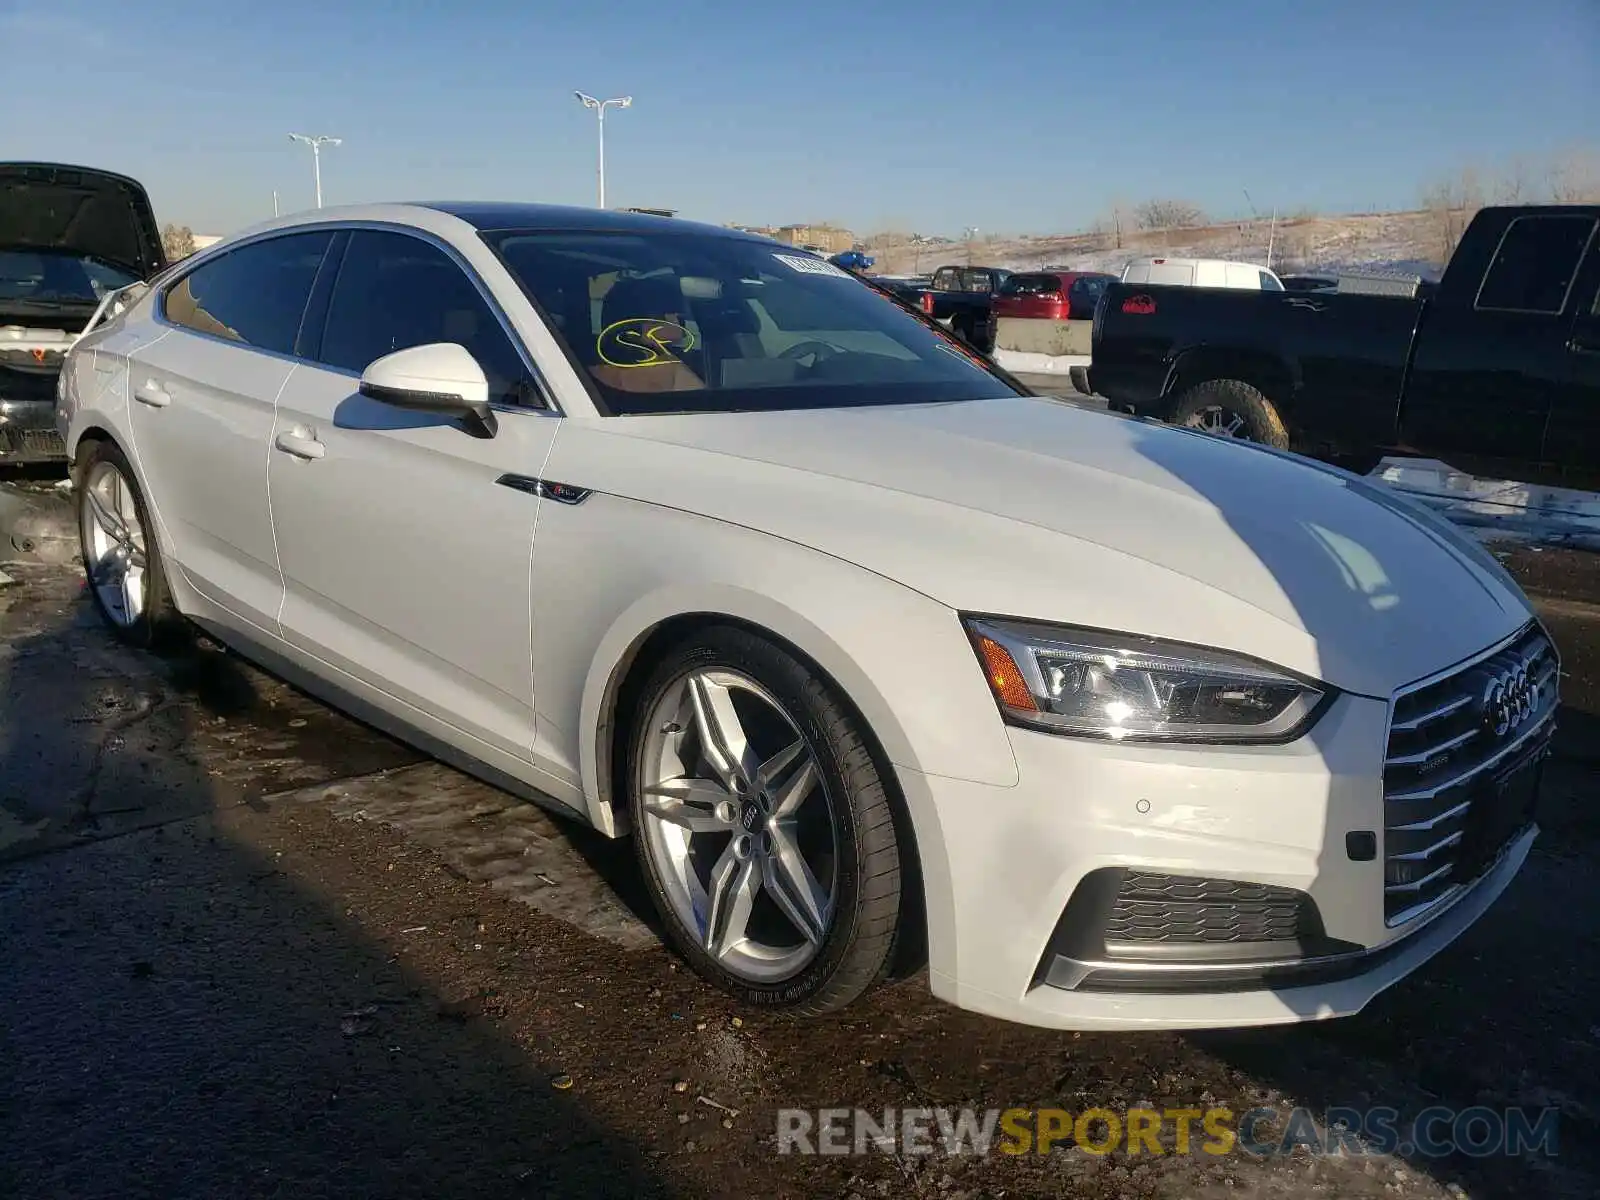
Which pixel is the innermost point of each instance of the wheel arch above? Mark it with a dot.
(647, 629)
(1275, 377)
(633, 651)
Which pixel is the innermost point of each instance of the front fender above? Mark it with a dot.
(899, 657)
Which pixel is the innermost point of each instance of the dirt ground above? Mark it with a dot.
(251, 948)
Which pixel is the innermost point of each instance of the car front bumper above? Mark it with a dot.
(28, 432)
(1004, 863)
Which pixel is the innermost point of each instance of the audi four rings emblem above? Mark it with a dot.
(1508, 701)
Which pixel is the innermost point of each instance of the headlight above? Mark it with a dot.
(1114, 685)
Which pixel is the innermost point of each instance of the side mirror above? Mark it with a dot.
(441, 377)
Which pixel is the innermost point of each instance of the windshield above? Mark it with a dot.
(694, 322)
(1031, 285)
(44, 276)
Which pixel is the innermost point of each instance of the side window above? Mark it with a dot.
(945, 279)
(395, 292)
(255, 294)
(1533, 268)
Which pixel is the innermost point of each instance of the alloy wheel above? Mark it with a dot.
(115, 554)
(739, 824)
(1217, 421)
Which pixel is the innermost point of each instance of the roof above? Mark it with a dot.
(445, 219)
(483, 215)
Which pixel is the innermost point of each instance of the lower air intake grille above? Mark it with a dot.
(1152, 907)
(32, 443)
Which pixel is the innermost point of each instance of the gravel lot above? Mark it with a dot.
(254, 949)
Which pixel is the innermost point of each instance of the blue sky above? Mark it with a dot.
(1031, 115)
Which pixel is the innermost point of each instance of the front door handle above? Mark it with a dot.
(299, 443)
(1584, 345)
(152, 393)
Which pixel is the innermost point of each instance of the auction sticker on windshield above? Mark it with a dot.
(810, 266)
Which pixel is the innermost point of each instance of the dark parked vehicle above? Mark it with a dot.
(1496, 369)
(68, 237)
(963, 299)
(1052, 295)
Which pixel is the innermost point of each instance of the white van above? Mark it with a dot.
(1201, 272)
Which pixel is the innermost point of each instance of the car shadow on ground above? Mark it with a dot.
(191, 1014)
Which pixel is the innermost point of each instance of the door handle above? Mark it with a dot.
(152, 393)
(1308, 305)
(1583, 345)
(299, 443)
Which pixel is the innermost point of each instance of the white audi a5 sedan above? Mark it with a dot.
(877, 658)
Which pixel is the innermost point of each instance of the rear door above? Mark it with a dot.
(202, 412)
(406, 541)
(1574, 437)
(1491, 359)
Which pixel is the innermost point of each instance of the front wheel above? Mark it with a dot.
(762, 825)
(1229, 408)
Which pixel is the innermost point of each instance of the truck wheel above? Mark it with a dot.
(1229, 408)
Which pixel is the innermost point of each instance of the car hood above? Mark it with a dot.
(79, 210)
(1034, 508)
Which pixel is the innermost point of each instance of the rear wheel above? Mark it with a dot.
(762, 826)
(1230, 408)
(121, 560)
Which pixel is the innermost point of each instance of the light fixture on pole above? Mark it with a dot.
(316, 143)
(600, 107)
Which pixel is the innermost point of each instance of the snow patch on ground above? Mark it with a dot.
(1498, 509)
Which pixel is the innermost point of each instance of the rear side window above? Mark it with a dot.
(1269, 282)
(1087, 289)
(946, 279)
(255, 295)
(1535, 265)
(395, 292)
(1031, 285)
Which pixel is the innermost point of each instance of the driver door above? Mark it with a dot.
(406, 554)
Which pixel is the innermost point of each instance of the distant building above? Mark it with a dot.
(829, 238)
(202, 240)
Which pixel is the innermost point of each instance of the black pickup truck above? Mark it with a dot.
(1495, 369)
(962, 298)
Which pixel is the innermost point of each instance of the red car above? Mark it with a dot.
(1052, 295)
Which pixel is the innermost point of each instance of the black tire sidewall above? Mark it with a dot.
(794, 688)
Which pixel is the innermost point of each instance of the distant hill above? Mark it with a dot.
(1409, 241)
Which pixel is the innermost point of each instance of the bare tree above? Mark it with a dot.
(1168, 214)
(1512, 187)
(177, 241)
(1451, 204)
(1574, 177)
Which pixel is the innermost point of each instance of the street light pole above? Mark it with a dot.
(600, 107)
(316, 144)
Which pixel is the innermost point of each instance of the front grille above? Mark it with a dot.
(1152, 907)
(1461, 770)
(32, 443)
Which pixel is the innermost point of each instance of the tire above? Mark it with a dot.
(1230, 408)
(755, 948)
(108, 495)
